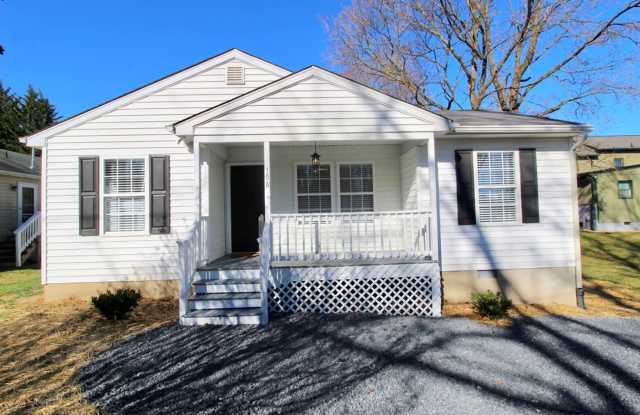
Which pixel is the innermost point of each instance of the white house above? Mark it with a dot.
(364, 203)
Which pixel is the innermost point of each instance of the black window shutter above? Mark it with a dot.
(89, 200)
(529, 186)
(465, 187)
(159, 209)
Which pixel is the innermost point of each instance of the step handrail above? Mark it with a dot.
(25, 234)
(192, 251)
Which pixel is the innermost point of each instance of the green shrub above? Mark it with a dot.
(116, 306)
(491, 305)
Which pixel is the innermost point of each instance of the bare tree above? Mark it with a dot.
(533, 56)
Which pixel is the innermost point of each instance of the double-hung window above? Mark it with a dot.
(124, 195)
(313, 188)
(356, 187)
(625, 189)
(497, 186)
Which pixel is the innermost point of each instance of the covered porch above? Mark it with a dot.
(363, 202)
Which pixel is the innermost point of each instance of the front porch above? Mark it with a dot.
(354, 234)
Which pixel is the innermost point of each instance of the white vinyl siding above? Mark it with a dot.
(313, 189)
(547, 244)
(315, 109)
(138, 128)
(356, 187)
(497, 195)
(385, 158)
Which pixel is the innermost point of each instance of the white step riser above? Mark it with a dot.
(230, 273)
(220, 321)
(216, 304)
(226, 288)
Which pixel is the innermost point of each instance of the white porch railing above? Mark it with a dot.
(25, 235)
(265, 265)
(192, 253)
(365, 235)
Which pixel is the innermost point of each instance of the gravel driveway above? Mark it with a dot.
(374, 365)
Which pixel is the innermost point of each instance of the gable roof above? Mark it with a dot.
(37, 139)
(495, 121)
(187, 126)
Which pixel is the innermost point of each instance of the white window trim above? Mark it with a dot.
(36, 199)
(332, 181)
(516, 160)
(103, 159)
(373, 190)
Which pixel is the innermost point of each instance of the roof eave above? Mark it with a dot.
(519, 129)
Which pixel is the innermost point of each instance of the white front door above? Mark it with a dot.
(27, 201)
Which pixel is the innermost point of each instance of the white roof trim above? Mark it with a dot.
(18, 174)
(540, 128)
(186, 127)
(37, 139)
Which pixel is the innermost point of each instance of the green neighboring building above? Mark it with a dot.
(609, 183)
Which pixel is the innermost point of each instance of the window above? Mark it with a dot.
(124, 195)
(618, 163)
(313, 188)
(625, 189)
(356, 188)
(496, 180)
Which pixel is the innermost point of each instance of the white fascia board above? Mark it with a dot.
(187, 127)
(37, 139)
(516, 129)
(17, 174)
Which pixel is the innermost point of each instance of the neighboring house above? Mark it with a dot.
(19, 193)
(608, 180)
(364, 202)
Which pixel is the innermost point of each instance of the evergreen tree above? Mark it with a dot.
(20, 116)
(10, 120)
(36, 111)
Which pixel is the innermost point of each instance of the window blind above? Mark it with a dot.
(313, 189)
(496, 180)
(124, 195)
(356, 188)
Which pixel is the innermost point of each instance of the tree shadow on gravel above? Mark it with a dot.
(310, 362)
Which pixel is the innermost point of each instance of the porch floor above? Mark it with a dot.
(252, 261)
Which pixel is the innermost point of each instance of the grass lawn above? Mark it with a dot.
(15, 284)
(613, 258)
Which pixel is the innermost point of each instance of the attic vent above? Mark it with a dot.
(235, 75)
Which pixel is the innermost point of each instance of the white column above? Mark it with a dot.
(433, 198)
(267, 182)
(196, 180)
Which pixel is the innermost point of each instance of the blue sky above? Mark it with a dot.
(80, 53)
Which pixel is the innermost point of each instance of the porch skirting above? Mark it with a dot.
(149, 289)
(390, 289)
(531, 285)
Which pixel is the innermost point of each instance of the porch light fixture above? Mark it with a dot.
(315, 159)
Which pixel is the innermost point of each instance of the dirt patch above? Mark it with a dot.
(602, 298)
(44, 344)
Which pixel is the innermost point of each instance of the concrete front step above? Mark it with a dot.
(224, 301)
(232, 285)
(222, 317)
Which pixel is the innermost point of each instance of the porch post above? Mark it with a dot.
(196, 179)
(267, 182)
(433, 198)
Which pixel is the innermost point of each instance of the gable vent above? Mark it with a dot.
(235, 75)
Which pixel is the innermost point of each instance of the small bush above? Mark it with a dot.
(491, 305)
(116, 306)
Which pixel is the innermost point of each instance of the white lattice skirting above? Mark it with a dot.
(398, 289)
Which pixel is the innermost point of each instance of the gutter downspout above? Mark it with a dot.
(577, 246)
